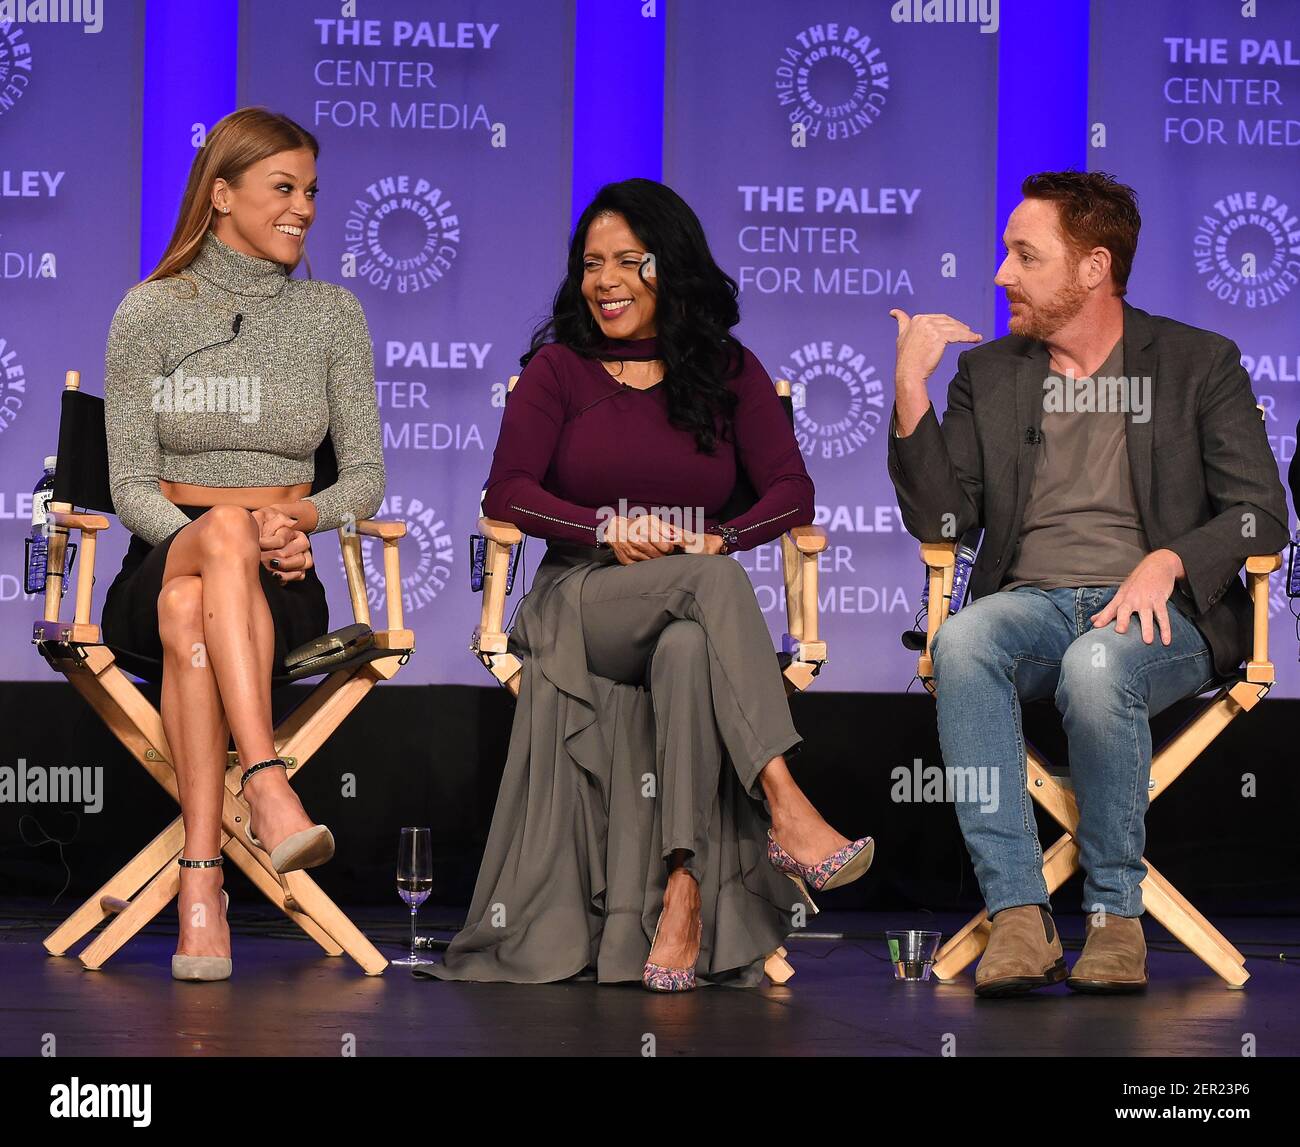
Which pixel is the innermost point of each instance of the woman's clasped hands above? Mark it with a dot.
(286, 550)
(648, 536)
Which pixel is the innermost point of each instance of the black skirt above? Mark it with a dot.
(129, 621)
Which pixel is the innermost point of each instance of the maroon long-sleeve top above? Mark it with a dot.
(575, 441)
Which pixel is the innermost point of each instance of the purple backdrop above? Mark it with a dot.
(69, 250)
(889, 202)
(842, 164)
(1200, 107)
(444, 206)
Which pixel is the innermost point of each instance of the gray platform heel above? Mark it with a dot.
(304, 849)
(202, 967)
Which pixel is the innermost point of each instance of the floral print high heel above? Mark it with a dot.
(658, 978)
(842, 867)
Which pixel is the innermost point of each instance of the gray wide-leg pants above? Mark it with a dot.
(606, 777)
(689, 628)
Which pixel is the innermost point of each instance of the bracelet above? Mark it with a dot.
(730, 537)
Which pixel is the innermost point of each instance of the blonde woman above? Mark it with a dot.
(222, 377)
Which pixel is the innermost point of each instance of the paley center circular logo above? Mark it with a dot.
(1246, 251)
(427, 553)
(839, 402)
(13, 384)
(402, 233)
(832, 80)
(15, 64)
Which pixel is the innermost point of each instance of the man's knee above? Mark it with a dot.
(1098, 670)
(965, 639)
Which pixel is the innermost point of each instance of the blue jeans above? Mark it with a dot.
(1028, 643)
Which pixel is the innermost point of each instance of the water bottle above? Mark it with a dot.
(478, 555)
(963, 563)
(38, 542)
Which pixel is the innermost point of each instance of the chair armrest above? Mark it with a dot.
(503, 533)
(60, 515)
(940, 563)
(83, 522)
(489, 636)
(396, 635)
(377, 528)
(800, 547)
(808, 539)
(1259, 669)
(939, 555)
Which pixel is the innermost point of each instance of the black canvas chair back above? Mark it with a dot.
(81, 480)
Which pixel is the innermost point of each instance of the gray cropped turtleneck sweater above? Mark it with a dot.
(248, 412)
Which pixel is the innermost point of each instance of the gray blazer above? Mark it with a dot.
(1206, 483)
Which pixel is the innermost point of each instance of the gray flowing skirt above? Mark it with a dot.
(599, 788)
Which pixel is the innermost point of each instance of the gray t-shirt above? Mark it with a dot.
(1081, 523)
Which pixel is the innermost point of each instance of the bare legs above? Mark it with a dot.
(198, 745)
(797, 825)
(218, 645)
(678, 942)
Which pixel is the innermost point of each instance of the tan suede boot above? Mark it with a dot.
(1114, 957)
(1024, 953)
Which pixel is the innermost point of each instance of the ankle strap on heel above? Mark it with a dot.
(215, 862)
(272, 763)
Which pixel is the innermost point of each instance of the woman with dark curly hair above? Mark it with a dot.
(629, 840)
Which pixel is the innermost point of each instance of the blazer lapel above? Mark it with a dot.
(1140, 369)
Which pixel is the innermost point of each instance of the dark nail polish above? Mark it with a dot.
(275, 563)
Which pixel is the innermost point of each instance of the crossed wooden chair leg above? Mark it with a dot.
(1060, 861)
(151, 879)
(800, 548)
(1160, 898)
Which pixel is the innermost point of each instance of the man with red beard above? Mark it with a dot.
(1118, 466)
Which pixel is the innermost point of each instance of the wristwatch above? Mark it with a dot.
(730, 537)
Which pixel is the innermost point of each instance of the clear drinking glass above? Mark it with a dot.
(414, 880)
(912, 953)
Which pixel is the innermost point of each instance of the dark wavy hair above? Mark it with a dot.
(695, 305)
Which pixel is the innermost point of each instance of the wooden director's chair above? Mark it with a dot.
(802, 653)
(149, 881)
(1050, 786)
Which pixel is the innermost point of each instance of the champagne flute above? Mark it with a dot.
(414, 880)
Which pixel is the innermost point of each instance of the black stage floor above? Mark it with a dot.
(285, 999)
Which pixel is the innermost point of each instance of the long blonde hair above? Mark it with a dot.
(235, 144)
